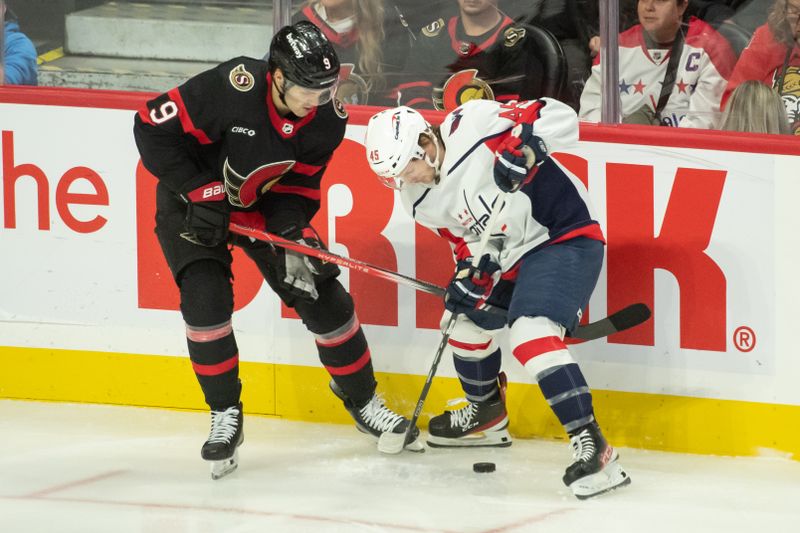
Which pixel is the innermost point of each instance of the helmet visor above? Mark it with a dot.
(305, 96)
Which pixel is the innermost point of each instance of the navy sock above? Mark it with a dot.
(570, 398)
(479, 377)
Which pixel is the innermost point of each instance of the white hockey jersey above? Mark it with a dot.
(554, 206)
(703, 70)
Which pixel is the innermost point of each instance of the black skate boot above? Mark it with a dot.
(375, 418)
(227, 434)
(595, 469)
(478, 424)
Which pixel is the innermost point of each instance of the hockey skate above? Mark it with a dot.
(596, 469)
(375, 418)
(478, 424)
(226, 435)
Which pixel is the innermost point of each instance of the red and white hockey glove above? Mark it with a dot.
(470, 287)
(518, 158)
(207, 215)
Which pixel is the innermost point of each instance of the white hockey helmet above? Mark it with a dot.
(392, 142)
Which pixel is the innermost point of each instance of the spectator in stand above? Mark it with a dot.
(773, 58)
(372, 40)
(755, 108)
(19, 54)
(480, 53)
(569, 22)
(671, 73)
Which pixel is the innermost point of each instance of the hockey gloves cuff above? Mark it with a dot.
(518, 158)
(207, 215)
(470, 287)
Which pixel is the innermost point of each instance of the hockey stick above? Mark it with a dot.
(393, 443)
(626, 318)
(325, 255)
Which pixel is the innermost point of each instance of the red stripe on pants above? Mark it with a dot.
(468, 346)
(528, 350)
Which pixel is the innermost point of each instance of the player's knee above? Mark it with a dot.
(470, 340)
(330, 311)
(206, 293)
(538, 344)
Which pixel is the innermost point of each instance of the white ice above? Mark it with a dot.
(91, 468)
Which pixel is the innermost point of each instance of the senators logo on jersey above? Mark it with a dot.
(241, 79)
(512, 36)
(433, 29)
(790, 93)
(462, 87)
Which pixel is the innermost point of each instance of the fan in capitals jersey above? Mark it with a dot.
(702, 73)
(541, 261)
(248, 142)
(449, 67)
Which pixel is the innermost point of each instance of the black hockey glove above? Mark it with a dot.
(518, 158)
(470, 287)
(207, 215)
(301, 272)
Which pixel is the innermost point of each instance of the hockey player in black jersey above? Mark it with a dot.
(248, 142)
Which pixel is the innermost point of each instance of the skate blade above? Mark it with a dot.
(394, 443)
(610, 478)
(488, 439)
(220, 469)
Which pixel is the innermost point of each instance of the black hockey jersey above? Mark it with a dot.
(222, 126)
(448, 67)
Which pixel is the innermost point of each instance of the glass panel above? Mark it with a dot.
(706, 39)
(428, 53)
(441, 53)
(141, 45)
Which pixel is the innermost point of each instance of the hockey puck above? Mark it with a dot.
(483, 467)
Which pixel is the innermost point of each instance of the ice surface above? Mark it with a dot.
(90, 468)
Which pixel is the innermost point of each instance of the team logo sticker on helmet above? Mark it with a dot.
(462, 87)
(241, 79)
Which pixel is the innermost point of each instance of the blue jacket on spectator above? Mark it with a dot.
(19, 57)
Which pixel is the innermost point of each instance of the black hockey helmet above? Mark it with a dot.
(305, 56)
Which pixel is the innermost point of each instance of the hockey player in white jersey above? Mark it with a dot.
(541, 262)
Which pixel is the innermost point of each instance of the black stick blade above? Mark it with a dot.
(633, 315)
(626, 318)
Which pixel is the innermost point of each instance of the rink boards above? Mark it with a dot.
(699, 226)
